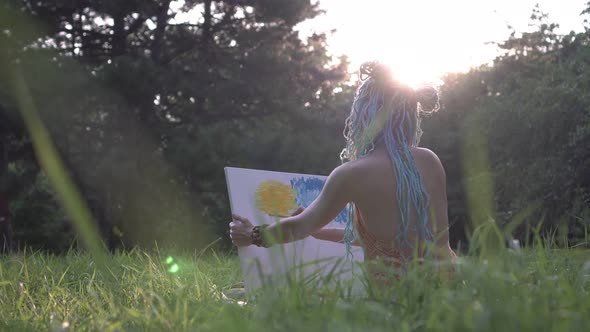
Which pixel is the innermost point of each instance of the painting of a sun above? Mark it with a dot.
(276, 198)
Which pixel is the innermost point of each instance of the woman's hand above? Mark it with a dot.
(318, 234)
(332, 235)
(298, 211)
(240, 231)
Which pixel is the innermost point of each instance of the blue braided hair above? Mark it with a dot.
(385, 110)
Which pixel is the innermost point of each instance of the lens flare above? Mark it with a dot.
(174, 268)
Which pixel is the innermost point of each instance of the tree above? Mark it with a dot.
(149, 108)
(531, 107)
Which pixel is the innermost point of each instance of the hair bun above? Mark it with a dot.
(427, 98)
(376, 70)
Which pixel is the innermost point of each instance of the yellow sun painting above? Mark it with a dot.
(276, 198)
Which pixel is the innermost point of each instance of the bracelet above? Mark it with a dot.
(257, 238)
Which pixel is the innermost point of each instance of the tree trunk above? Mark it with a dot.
(206, 27)
(3, 156)
(5, 226)
(119, 35)
(161, 23)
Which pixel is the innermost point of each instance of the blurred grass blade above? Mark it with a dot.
(480, 192)
(49, 159)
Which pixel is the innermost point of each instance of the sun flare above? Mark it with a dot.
(406, 40)
(420, 40)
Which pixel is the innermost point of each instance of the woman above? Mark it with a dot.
(397, 190)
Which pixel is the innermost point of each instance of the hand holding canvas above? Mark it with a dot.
(334, 196)
(240, 231)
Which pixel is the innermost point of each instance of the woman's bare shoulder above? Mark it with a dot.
(350, 168)
(428, 159)
(353, 171)
(425, 155)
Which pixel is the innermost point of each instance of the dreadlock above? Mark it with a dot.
(386, 111)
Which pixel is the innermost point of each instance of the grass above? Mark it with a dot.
(534, 290)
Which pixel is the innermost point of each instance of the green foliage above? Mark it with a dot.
(145, 110)
(529, 291)
(529, 112)
(37, 209)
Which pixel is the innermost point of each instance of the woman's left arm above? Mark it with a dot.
(337, 192)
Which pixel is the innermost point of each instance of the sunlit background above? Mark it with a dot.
(161, 96)
(423, 39)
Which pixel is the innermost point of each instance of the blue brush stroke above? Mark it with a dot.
(308, 189)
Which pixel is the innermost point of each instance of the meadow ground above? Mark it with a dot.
(531, 290)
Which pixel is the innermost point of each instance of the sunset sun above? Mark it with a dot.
(424, 39)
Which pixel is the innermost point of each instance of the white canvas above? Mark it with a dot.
(253, 194)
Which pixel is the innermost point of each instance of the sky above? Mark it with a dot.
(423, 39)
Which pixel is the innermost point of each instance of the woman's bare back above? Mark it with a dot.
(375, 195)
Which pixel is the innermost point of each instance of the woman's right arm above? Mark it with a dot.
(332, 234)
(327, 234)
